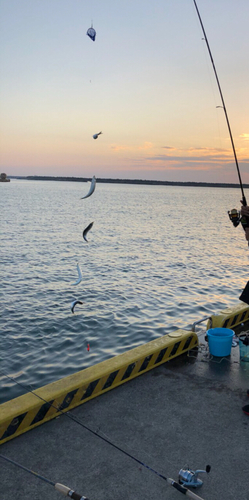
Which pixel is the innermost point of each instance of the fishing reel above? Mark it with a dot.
(188, 477)
(236, 218)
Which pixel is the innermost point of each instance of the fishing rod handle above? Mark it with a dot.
(67, 492)
(244, 219)
(183, 490)
(245, 223)
(191, 494)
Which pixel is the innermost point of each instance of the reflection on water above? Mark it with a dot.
(158, 258)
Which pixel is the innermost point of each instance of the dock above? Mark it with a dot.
(184, 413)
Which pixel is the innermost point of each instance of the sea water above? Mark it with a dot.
(157, 259)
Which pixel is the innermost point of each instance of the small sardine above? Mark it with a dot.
(74, 303)
(92, 188)
(80, 275)
(86, 231)
(95, 136)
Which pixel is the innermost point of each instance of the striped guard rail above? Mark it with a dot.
(28, 411)
(230, 317)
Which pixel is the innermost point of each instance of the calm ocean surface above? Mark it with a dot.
(158, 258)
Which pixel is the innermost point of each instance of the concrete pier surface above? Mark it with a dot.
(185, 413)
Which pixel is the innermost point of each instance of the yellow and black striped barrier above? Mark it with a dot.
(26, 412)
(230, 318)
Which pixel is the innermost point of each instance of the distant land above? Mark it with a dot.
(127, 181)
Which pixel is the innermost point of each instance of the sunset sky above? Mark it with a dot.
(146, 82)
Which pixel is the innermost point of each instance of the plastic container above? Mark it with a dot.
(220, 341)
(244, 347)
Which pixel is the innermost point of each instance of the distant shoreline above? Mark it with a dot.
(127, 181)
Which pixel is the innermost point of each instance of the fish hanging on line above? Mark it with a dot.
(86, 231)
(80, 275)
(95, 136)
(92, 188)
(74, 303)
(91, 33)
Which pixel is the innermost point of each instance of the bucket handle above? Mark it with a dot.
(200, 321)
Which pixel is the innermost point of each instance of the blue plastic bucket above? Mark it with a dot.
(220, 341)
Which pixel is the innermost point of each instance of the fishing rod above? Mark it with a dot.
(171, 482)
(64, 490)
(234, 215)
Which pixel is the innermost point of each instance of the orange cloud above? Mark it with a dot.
(245, 136)
(205, 154)
(198, 151)
(147, 145)
(123, 147)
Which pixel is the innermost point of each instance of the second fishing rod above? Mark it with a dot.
(234, 215)
(180, 487)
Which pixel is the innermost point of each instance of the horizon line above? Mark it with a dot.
(126, 181)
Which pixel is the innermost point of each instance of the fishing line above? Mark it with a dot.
(170, 481)
(223, 103)
(214, 93)
(207, 66)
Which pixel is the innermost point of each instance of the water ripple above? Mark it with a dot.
(147, 270)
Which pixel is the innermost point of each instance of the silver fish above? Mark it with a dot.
(86, 231)
(95, 136)
(80, 275)
(74, 303)
(92, 188)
